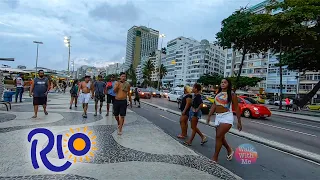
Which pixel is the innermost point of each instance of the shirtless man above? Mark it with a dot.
(85, 88)
(122, 90)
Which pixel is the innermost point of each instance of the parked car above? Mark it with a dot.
(251, 108)
(174, 95)
(143, 93)
(314, 106)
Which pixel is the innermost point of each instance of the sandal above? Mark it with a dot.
(34, 117)
(181, 137)
(230, 156)
(46, 113)
(204, 141)
(187, 144)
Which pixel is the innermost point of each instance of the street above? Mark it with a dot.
(295, 132)
(271, 163)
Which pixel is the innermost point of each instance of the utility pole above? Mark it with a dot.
(37, 42)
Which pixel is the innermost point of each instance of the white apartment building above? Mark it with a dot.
(188, 59)
(141, 41)
(115, 68)
(156, 62)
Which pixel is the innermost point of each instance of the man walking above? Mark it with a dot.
(111, 94)
(99, 93)
(122, 90)
(19, 83)
(85, 88)
(39, 90)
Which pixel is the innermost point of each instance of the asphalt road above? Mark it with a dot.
(295, 132)
(271, 163)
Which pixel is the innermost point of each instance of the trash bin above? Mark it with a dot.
(7, 96)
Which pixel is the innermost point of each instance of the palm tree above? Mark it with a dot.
(147, 72)
(163, 72)
(131, 74)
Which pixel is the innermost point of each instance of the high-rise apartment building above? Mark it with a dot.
(188, 59)
(262, 65)
(141, 41)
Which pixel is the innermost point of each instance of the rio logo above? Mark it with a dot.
(78, 145)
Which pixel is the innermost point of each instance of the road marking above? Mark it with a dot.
(285, 129)
(304, 124)
(168, 119)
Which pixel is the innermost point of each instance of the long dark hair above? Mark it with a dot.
(229, 89)
(74, 82)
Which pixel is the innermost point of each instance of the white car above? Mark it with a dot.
(277, 103)
(174, 95)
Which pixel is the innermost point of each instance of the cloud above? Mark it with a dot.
(117, 13)
(11, 3)
(16, 34)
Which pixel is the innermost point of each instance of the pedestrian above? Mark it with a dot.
(64, 86)
(85, 88)
(19, 83)
(287, 100)
(74, 93)
(122, 90)
(222, 106)
(136, 97)
(39, 90)
(110, 94)
(185, 109)
(99, 94)
(295, 105)
(195, 114)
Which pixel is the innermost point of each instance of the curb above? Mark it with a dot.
(283, 147)
(309, 118)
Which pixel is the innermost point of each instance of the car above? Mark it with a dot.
(314, 106)
(174, 95)
(251, 108)
(154, 92)
(144, 93)
(164, 93)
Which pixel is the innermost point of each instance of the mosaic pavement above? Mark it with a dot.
(144, 151)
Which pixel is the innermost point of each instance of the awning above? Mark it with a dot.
(12, 70)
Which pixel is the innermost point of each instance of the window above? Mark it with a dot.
(228, 67)
(309, 76)
(317, 77)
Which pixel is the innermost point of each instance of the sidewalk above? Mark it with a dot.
(144, 151)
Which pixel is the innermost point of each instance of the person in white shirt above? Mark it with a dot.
(19, 83)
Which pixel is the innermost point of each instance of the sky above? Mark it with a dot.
(98, 28)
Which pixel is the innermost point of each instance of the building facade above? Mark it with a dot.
(188, 59)
(141, 41)
(115, 68)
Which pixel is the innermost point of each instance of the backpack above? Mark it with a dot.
(72, 90)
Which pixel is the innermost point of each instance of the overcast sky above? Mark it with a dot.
(98, 28)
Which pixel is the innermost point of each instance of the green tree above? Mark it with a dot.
(131, 74)
(208, 79)
(163, 73)
(245, 82)
(303, 54)
(285, 33)
(147, 71)
(236, 33)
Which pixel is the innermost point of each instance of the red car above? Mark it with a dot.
(144, 94)
(251, 108)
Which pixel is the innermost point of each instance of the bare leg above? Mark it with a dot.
(75, 101)
(45, 109)
(85, 108)
(222, 129)
(71, 102)
(184, 125)
(101, 105)
(121, 122)
(194, 123)
(118, 119)
(35, 108)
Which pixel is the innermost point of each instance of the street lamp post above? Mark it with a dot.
(67, 43)
(37, 42)
(162, 36)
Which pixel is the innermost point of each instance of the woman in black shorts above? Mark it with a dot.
(185, 108)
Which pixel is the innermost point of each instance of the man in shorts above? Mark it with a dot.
(111, 94)
(99, 93)
(120, 104)
(39, 90)
(85, 88)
